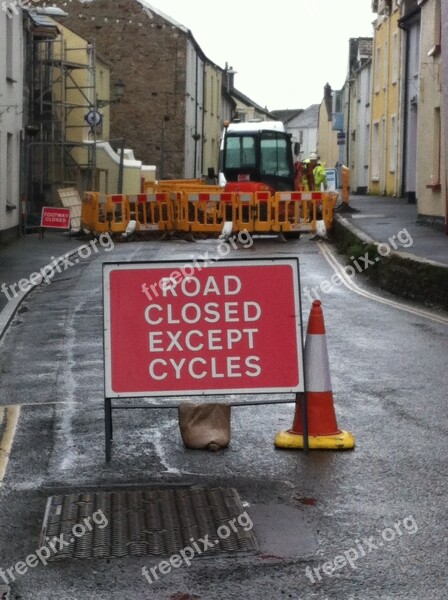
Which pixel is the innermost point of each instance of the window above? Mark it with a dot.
(9, 168)
(9, 49)
(385, 70)
(366, 148)
(274, 156)
(436, 48)
(377, 70)
(337, 102)
(212, 95)
(393, 144)
(434, 183)
(375, 163)
(395, 58)
(240, 152)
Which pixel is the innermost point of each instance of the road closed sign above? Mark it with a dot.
(173, 328)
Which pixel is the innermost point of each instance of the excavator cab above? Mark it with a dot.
(255, 153)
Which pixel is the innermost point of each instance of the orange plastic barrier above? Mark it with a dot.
(152, 212)
(263, 212)
(117, 212)
(296, 211)
(204, 211)
(244, 211)
(345, 176)
(94, 212)
(89, 206)
(329, 201)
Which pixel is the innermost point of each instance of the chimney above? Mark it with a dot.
(230, 74)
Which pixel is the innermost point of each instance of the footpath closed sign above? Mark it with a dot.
(175, 328)
(55, 218)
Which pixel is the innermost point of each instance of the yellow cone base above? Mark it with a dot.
(344, 440)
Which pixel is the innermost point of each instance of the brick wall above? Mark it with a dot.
(149, 54)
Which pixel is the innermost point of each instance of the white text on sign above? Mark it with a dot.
(195, 340)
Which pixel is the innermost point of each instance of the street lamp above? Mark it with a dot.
(118, 89)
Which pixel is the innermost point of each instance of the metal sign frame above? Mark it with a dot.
(110, 394)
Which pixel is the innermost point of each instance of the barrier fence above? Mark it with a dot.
(206, 210)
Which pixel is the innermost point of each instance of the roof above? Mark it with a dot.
(150, 8)
(246, 100)
(287, 115)
(360, 52)
(365, 46)
(309, 117)
(255, 125)
(43, 24)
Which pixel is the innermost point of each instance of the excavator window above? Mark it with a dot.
(240, 152)
(274, 155)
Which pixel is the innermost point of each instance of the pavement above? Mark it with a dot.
(382, 217)
(28, 255)
(410, 258)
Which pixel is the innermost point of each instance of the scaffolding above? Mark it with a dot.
(62, 149)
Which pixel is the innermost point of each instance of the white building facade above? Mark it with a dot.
(11, 110)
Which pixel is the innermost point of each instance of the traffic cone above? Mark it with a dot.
(323, 431)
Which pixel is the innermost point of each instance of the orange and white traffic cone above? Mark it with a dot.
(323, 431)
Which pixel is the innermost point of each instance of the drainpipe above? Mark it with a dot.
(387, 128)
(196, 135)
(403, 23)
(404, 109)
(444, 19)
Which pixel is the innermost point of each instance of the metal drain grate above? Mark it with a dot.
(140, 523)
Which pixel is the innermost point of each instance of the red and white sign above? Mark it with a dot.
(56, 218)
(177, 328)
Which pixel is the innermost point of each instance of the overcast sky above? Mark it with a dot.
(284, 51)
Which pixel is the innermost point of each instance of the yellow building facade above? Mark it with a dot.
(385, 171)
(212, 117)
(327, 140)
(431, 181)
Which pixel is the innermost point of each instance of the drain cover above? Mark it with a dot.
(4, 592)
(148, 522)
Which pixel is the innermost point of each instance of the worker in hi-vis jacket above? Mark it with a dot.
(313, 174)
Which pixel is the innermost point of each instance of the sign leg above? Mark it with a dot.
(305, 421)
(108, 427)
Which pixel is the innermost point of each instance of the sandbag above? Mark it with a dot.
(205, 426)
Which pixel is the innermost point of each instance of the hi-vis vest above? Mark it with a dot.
(319, 176)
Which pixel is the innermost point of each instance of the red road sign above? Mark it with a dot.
(55, 218)
(173, 328)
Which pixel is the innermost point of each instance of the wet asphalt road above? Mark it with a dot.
(383, 504)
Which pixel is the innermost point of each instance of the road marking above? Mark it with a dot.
(351, 285)
(12, 420)
(368, 216)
